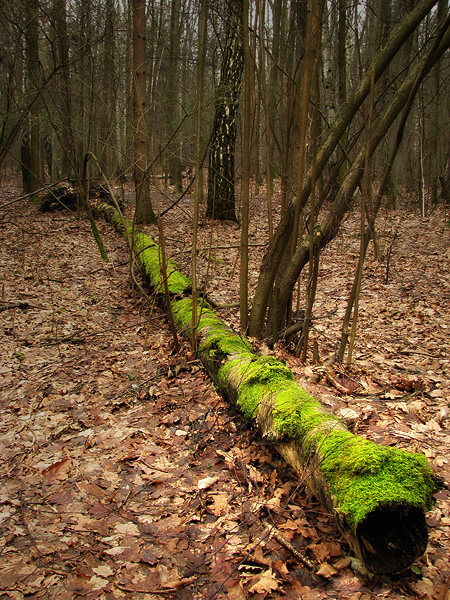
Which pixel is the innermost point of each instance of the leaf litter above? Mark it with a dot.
(125, 475)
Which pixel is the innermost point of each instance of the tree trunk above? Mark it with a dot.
(34, 82)
(377, 494)
(64, 126)
(144, 210)
(221, 203)
(282, 237)
(173, 102)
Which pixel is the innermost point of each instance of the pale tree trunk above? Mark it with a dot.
(144, 211)
(221, 202)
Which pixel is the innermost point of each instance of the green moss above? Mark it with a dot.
(217, 341)
(258, 378)
(360, 474)
(149, 255)
(182, 312)
(296, 415)
(364, 476)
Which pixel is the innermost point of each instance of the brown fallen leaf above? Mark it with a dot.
(265, 583)
(320, 552)
(178, 583)
(326, 570)
(207, 482)
(282, 569)
(236, 591)
(220, 504)
(342, 563)
(58, 470)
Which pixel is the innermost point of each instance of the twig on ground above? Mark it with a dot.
(276, 535)
(11, 305)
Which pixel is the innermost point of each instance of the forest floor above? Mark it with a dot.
(125, 475)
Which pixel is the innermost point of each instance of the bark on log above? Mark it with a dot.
(377, 495)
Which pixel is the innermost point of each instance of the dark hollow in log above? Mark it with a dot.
(391, 538)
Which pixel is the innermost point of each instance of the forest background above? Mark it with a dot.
(295, 120)
(333, 101)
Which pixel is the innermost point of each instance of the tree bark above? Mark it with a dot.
(221, 203)
(144, 210)
(376, 494)
(173, 106)
(34, 82)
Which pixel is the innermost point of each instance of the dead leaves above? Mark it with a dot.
(124, 474)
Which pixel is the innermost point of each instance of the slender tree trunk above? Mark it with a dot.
(34, 82)
(435, 158)
(265, 98)
(65, 121)
(246, 165)
(203, 20)
(175, 166)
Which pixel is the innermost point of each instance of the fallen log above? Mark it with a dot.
(377, 495)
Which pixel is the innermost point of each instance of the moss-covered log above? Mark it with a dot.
(377, 495)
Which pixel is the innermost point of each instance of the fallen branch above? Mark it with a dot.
(377, 495)
(11, 305)
(276, 535)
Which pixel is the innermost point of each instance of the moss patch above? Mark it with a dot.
(364, 476)
(149, 255)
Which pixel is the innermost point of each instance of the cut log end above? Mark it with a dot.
(391, 539)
